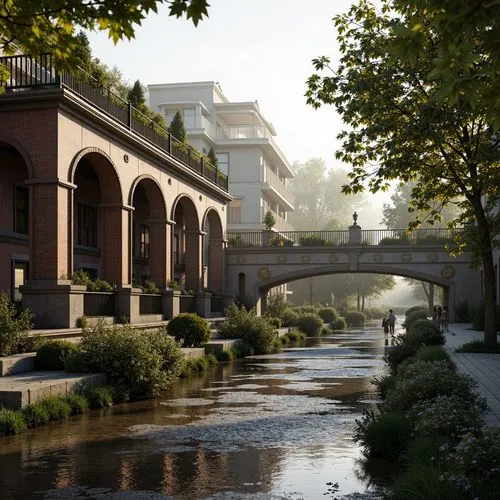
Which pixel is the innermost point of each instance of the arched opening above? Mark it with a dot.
(149, 234)
(241, 287)
(100, 223)
(213, 252)
(15, 221)
(186, 243)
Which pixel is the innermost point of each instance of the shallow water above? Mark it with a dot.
(267, 427)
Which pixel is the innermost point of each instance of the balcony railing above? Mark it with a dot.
(242, 132)
(187, 304)
(277, 184)
(381, 237)
(27, 73)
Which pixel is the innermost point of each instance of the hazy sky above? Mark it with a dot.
(257, 50)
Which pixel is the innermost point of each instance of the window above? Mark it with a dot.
(144, 242)
(234, 212)
(87, 225)
(21, 210)
(20, 275)
(223, 160)
(188, 116)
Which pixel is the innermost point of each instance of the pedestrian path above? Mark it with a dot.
(485, 368)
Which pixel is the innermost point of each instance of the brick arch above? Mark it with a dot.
(105, 169)
(213, 255)
(189, 209)
(149, 231)
(10, 141)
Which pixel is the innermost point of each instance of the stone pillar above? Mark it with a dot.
(116, 244)
(204, 304)
(171, 303)
(355, 231)
(127, 303)
(193, 259)
(161, 252)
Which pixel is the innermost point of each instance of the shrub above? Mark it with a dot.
(328, 314)
(77, 402)
(355, 318)
(463, 312)
(307, 309)
(290, 317)
(295, 336)
(478, 346)
(36, 414)
(57, 407)
(414, 316)
(149, 287)
(189, 329)
(399, 352)
(384, 434)
(433, 353)
(424, 380)
(310, 324)
(446, 415)
(51, 354)
(252, 329)
(384, 384)
(423, 450)
(311, 241)
(276, 305)
(273, 321)
(339, 324)
(142, 362)
(423, 331)
(15, 324)
(415, 308)
(99, 396)
(11, 422)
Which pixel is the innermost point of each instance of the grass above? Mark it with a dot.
(478, 346)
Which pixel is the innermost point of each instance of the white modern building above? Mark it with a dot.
(245, 145)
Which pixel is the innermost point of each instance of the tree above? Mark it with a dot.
(269, 221)
(38, 26)
(136, 95)
(177, 128)
(213, 158)
(319, 202)
(399, 129)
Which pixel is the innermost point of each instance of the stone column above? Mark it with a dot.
(161, 251)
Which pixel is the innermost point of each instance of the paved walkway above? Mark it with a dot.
(485, 368)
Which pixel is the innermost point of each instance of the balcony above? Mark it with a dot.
(242, 132)
(30, 73)
(273, 184)
(281, 223)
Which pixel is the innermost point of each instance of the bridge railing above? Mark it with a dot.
(369, 237)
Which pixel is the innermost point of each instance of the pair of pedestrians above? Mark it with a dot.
(388, 323)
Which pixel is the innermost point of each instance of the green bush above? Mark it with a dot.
(384, 435)
(273, 321)
(80, 277)
(384, 384)
(400, 351)
(198, 365)
(339, 324)
(276, 305)
(57, 406)
(424, 331)
(144, 363)
(433, 353)
(415, 308)
(189, 329)
(295, 336)
(78, 402)
(252, 329)
(307, 309)
(328, 314)
(311, 241)
(414, 316)
(463, 312)
(11, 422)
(290, 317)
(52, 354)
(310, 324)
(423, 450)
(98, 396)
(355, 318)
(425, 380)
(15, 324)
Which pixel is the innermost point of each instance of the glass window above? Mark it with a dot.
(223, 160)
(87, 225)
(144, 240)
(21, 210)
(20, 270)
(234, 212)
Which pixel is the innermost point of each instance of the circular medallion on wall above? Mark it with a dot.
(240, 259)
(378, 257)
(264, 273)
(406, 258)
(332, 258)
(432, 257)
(281, 259)
(305, 259)
(447, 271)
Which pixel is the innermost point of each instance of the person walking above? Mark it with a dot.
(385, 325)
(391, 319)
(444, 319)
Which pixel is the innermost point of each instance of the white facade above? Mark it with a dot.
(244, 142)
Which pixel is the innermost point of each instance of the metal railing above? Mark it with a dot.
(99, 304)
(273, 180)
(26, 72)
(150, 304)
(373, 237)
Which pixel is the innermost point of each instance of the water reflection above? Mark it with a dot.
(277, 427)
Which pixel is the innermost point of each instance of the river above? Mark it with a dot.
(267, 427)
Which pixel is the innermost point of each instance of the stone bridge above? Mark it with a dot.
(258, 262)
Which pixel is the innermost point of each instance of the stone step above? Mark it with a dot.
(17, 363)
(18, 391)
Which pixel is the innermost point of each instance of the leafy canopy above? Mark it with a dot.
(38, 26)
